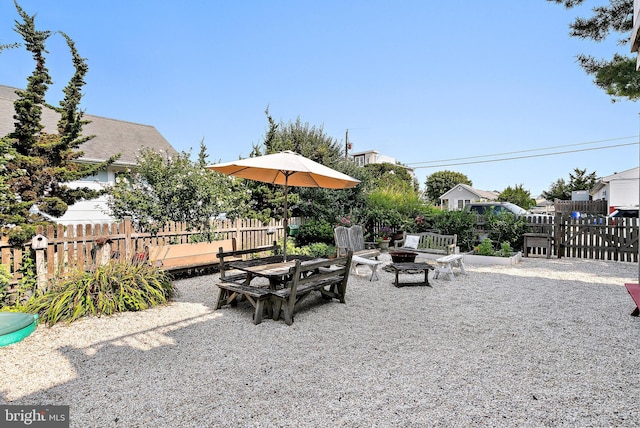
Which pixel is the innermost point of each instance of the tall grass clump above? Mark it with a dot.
(113, 287)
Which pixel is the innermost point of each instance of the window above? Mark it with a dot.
(100, 177)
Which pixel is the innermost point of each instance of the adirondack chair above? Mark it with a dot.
(352, 238)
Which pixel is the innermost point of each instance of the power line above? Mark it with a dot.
(522, 151)
(519, 157)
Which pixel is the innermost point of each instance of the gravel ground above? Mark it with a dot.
(541, 343)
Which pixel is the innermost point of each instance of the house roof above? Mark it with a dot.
(629, 174)
(482, 194)
(111, 136)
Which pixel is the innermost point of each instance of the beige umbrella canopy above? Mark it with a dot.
(288, 169)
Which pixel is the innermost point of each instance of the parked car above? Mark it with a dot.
(626, 212)
(497, 208)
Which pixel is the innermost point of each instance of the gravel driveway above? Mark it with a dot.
(541, 343)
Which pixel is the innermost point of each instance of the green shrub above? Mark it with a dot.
(114, 287)
(5, 278)
(320, 249)
(315, 231)
(485, 248)
(461, 223)
(505, 250)
(21, 234)
(506, 228)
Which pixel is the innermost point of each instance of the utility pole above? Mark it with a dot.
(346, 144)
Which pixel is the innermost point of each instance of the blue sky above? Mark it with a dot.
(422, 81)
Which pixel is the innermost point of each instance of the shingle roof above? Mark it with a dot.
(485, 194)
(111, 136)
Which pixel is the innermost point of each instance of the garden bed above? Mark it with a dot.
(475, 259)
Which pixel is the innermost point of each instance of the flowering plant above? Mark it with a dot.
(385, 232)
(344, 221)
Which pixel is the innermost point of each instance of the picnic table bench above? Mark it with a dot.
(225, 256)
(329, 277)
(289, 283)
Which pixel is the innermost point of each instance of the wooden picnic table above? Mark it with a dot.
(272, 268)
(289, 282)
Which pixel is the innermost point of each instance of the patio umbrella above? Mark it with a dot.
(287, 169)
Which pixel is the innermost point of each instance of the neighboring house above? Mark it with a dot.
(374, 156)
(111, 137)
(620, 189)
(462, 194)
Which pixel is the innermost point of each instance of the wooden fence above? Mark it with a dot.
(82, 246)
(598, 207)
(594, 237)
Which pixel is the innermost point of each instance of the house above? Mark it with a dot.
(621, 189)
(462, 194)
(111, 137)
(374, 156)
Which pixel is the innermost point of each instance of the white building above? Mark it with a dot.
(462, 194)
(374, 156)
(111, 137)
(621, 189)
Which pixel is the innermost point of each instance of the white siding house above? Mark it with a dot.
(111, 137)
(462, 194)
(620, 189)
(374, 156)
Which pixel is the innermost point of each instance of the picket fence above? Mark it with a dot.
(60, 249)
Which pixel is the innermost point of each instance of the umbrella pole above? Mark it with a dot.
(286, 215)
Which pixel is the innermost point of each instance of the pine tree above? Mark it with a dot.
(41, 163)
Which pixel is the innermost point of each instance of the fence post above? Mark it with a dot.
(558, 234)
(39, 244)
(128, 239)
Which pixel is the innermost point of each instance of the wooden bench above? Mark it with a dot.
(634, 291)
(329, 277)
(258, 297)
(188, 257)
(430, 242)
(225, 256)
(446, 265)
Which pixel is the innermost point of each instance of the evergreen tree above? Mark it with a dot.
(617, 76)
(43, 162)
(517, 195)
(578, 180)
(267, 201)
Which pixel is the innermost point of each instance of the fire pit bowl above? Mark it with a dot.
(403, 256)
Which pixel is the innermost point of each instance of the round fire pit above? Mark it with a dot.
(403, 256)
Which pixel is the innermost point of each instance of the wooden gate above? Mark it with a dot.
(597, 238)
